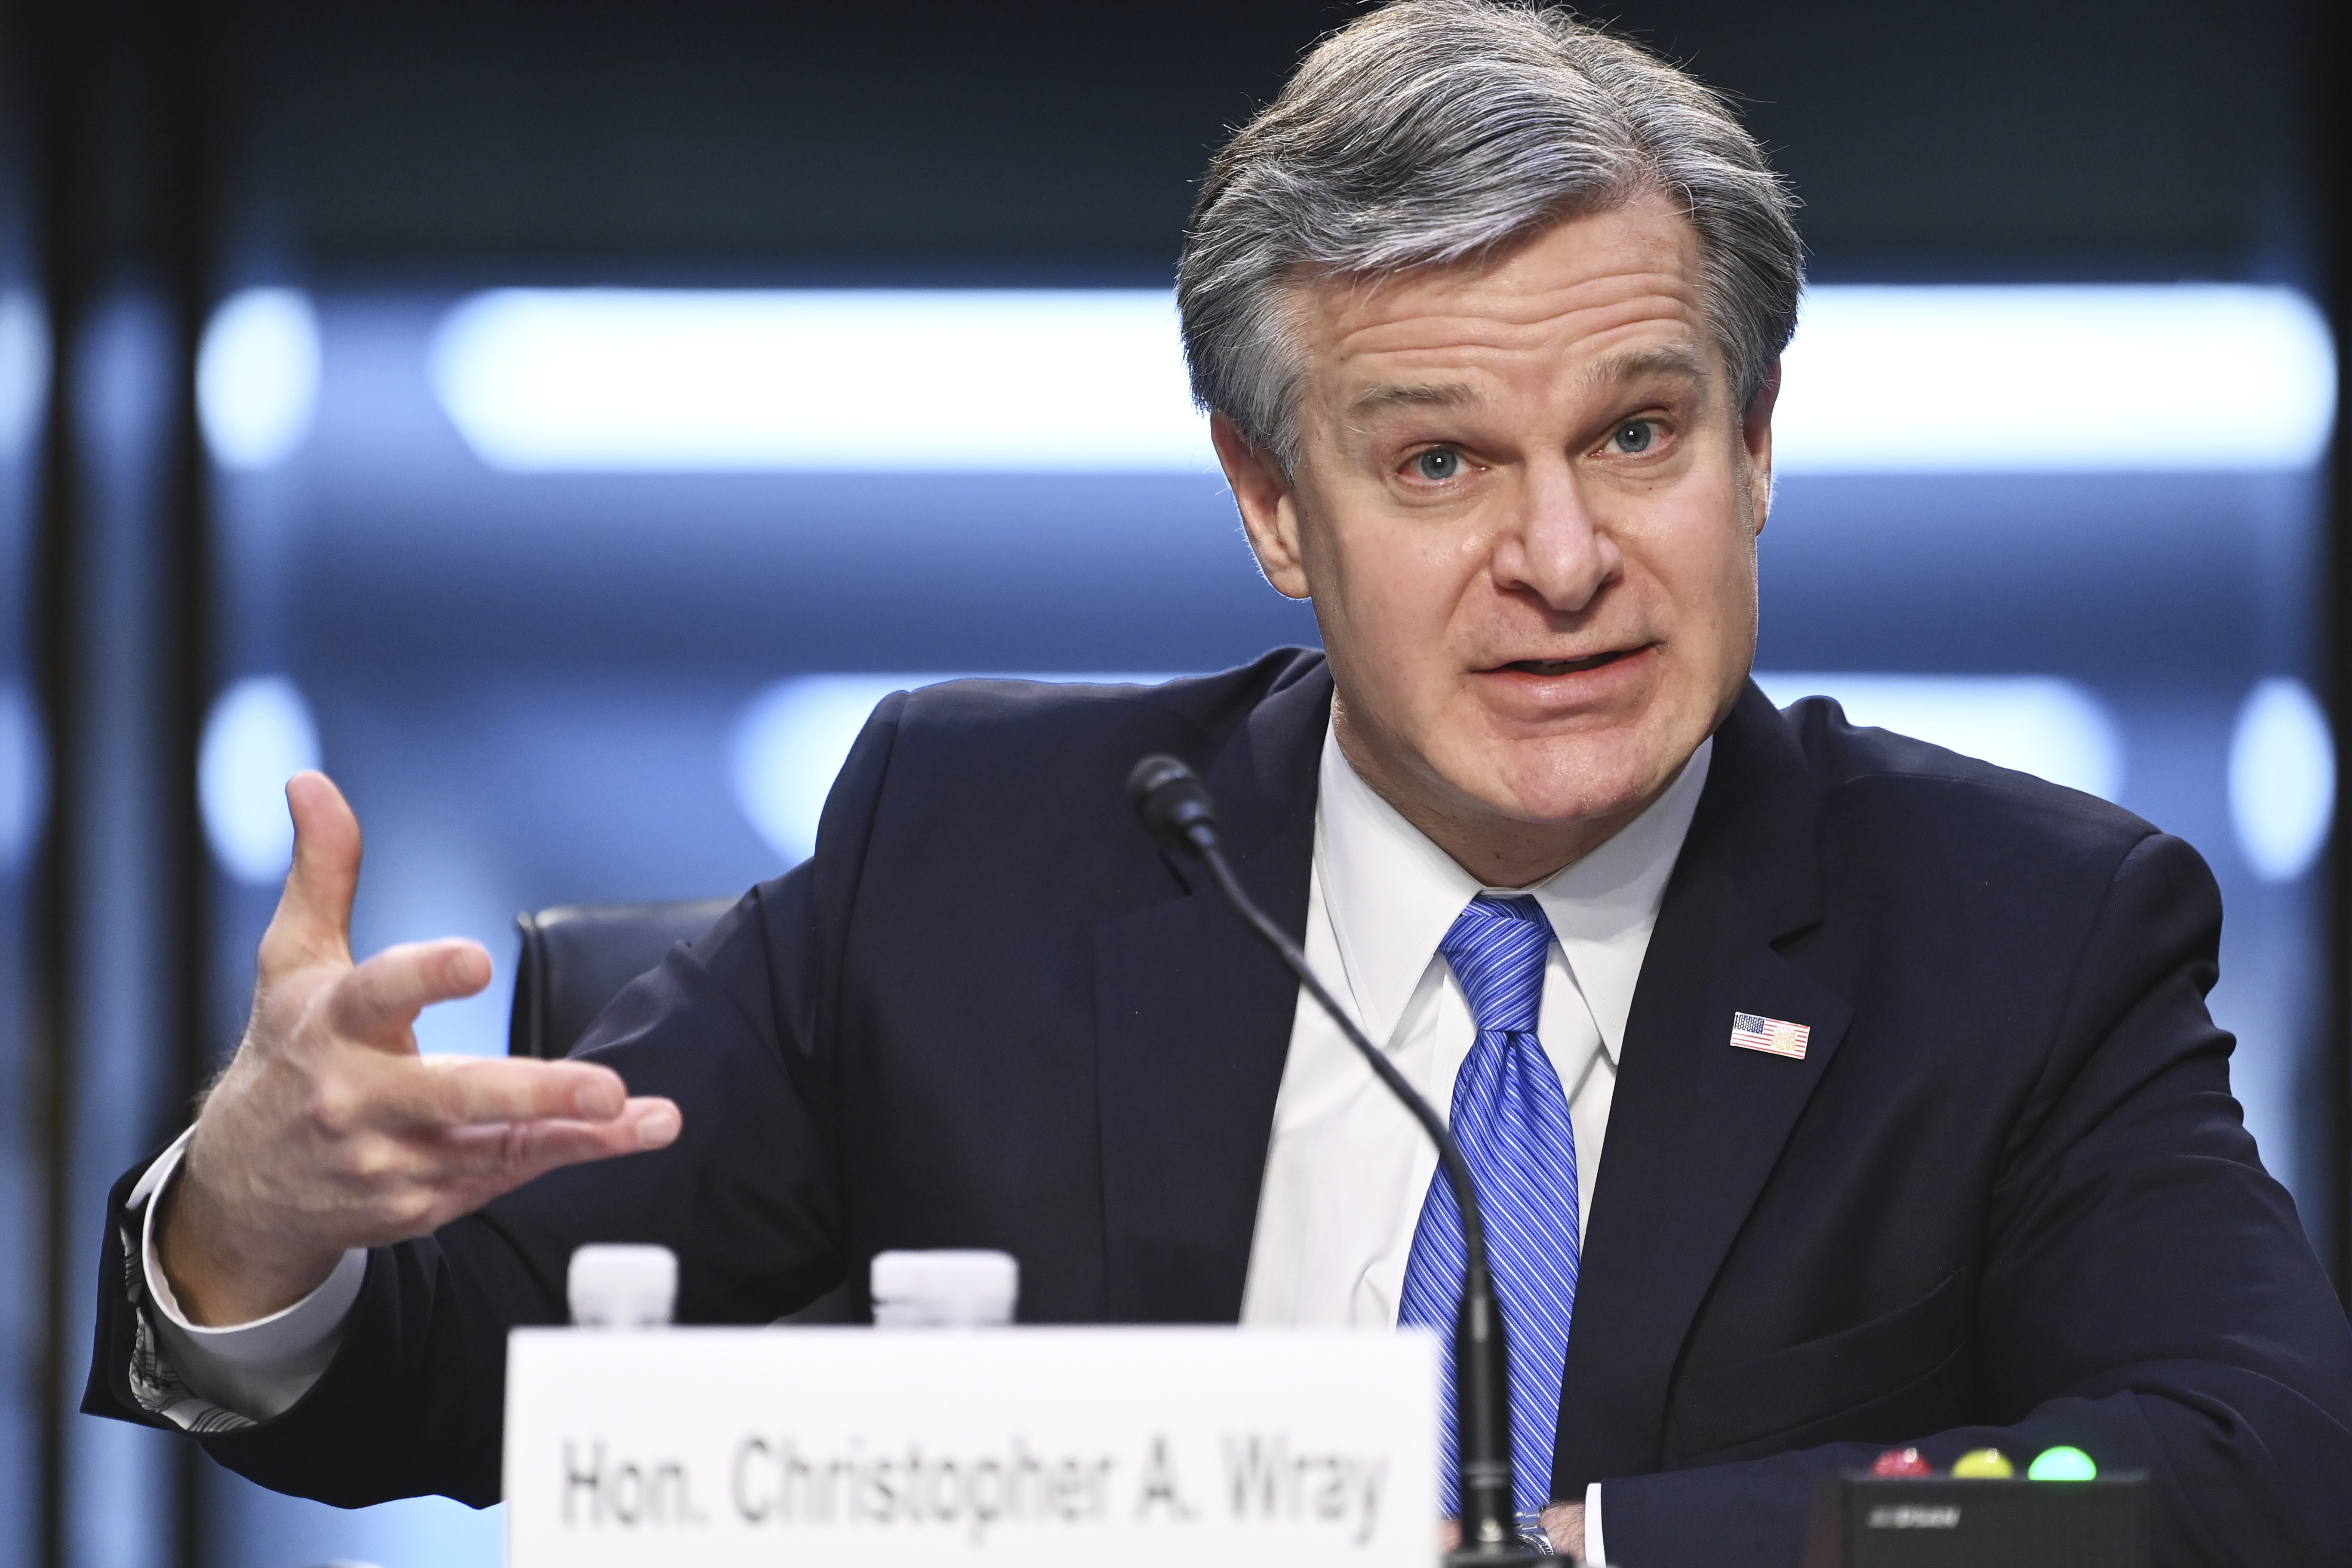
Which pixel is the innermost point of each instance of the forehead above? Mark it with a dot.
(1590, 287)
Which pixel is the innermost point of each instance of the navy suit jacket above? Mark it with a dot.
(2005, 1198)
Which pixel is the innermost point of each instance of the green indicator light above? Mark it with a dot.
(2061, 1464)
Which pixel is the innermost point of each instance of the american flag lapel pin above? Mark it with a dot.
(1778, 1035)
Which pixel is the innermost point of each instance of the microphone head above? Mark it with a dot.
(1173, 804)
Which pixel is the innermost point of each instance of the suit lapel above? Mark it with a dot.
(1194, 1019)
(1696, 1124)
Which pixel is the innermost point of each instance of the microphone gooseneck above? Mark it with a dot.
(1175, 808)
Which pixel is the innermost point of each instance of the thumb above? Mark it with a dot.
(314, 922)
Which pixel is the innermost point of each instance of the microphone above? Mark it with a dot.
(1175, 808)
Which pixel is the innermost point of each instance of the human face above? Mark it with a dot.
(1526, 509)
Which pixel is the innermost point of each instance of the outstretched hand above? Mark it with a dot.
(328, 1131)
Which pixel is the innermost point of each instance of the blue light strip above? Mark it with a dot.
(855, 380)
(2055, 379)
(1880, 380)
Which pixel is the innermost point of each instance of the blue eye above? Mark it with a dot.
(1438, 463)
(1635, 437)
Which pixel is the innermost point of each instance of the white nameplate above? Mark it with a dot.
(713, 1448)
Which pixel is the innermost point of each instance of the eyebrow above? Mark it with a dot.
(1634, 364)
(1637, 363)
(1418, 394)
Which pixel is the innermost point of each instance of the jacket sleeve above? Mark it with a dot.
(733, 1028)
(2147, 1293)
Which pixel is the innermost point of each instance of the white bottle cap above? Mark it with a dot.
(622, 1287)
(944, 1288)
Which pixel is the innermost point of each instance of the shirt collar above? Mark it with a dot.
(1391, 895)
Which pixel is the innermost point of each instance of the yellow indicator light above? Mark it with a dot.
(1985, 1465)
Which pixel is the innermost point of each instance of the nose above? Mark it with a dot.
(1550, 544)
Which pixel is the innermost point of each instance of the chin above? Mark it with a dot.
(1583, 778)
(1556, 796)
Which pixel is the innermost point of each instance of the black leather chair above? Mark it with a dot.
(576, 957)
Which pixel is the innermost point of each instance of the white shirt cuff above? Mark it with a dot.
(257, 1369)
(1595, 1552)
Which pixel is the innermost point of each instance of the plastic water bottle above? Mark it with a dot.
(622, 1287)
(944, 1289)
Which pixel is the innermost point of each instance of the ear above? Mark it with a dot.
(1268, 506)
(1756, 435)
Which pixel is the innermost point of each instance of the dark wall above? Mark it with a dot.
(2148, 138)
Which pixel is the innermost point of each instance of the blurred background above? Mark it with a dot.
(563, 421)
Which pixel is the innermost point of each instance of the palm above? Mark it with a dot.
(328, 1131)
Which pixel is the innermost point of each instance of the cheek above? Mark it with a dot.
(1395, 589)
(1726, 623)
(1704, 563)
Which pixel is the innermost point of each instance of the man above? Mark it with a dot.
(1843, 1092)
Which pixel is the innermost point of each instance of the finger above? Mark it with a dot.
(523, 1149)
(448, 1092)
(313, 922)
(379, 999)
(472, 1165)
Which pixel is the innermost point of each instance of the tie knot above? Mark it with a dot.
(1497, 949)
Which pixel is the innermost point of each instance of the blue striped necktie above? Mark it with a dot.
(1511, 1120)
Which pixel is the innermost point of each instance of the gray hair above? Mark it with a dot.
(1435, 132)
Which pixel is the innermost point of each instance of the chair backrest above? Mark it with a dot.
(577, 957)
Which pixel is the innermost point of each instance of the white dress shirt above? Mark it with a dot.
(1348, 1167)
(254, 1369)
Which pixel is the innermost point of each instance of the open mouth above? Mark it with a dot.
(1567, 666)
